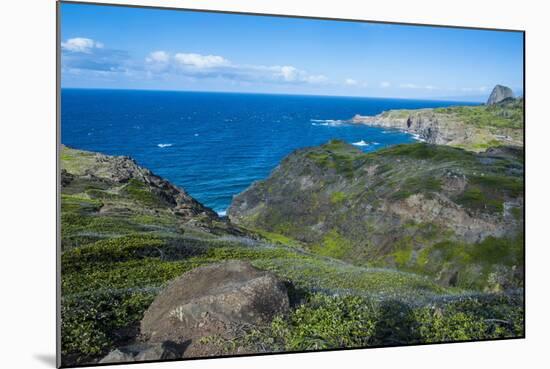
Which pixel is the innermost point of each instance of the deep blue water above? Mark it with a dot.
(215, 145)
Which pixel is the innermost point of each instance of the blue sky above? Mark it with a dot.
(136, 48)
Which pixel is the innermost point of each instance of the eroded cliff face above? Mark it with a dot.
(121, 188)
(424, 207)
(474, 128)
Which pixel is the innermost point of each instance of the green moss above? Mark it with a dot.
(334, 245)
(337, 197)
(403, 255)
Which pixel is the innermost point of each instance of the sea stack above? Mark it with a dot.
(500, 93)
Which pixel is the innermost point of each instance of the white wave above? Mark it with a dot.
(196, 135)
(327, 122)
(162, 146)
(360, 143)
(222, 213)
(418, 138)
(376, 143)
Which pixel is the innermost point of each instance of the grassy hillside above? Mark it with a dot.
(126, 233)
(448, 213)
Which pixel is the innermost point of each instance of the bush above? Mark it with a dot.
(329, 322)
(323, 322)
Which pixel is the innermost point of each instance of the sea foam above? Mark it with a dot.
(361, 143)
(327, 122)
(162, 146)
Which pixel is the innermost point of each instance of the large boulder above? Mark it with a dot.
(214, 300)
(499, 94)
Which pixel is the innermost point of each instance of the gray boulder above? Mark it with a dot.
(499, 94)
(145, 352)
(117, 356)
(214, 300)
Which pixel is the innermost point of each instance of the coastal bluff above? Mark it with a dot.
(412, 206)
(474, 128)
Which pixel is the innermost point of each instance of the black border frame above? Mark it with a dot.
(160, 7)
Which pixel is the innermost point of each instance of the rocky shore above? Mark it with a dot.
(474, 128)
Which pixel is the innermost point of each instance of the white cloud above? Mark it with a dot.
(216, 66)
(81, 45)
(158, 57)
(385, 84)
(350, 82)
(200, 61)
(316, 79)
(289, 73)
(476, 89)
(412, 85)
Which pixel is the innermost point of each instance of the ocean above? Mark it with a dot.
(214, 145)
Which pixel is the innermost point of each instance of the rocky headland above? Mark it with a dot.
(425, 208)
(474, 128)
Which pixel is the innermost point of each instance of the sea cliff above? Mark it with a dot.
(474, 128)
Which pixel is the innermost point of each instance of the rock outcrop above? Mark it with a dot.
(214, 300)
(474, 128)
(500, 93)
(132, 187)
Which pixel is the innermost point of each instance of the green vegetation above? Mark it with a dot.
(478, 264)
(328, 322)
(336, 155)
(139, 192)
(334, 245)
(122, 243)
(504, 115)
(337, 197)
(433, 153)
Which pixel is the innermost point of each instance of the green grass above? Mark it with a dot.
(334, 245)
(478, 264)
(337, 197)
(423, 151)
(495, 116)
(138, 191)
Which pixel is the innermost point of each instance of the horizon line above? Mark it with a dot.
(443, 98)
